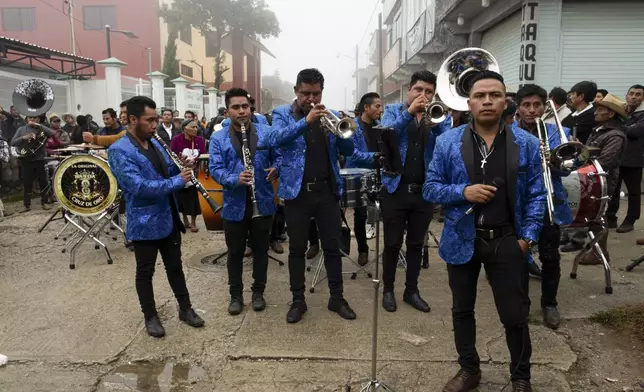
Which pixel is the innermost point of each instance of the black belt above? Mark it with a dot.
(494, 233)
(411, 188)
(317, 186)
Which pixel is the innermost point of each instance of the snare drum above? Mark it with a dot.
(587, 194)
(85, 185)
(356, 182)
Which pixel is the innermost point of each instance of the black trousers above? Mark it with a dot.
(325, 208)
(257, 232)
(31, 169)
(550, 258)
(313, 233)
(404, 211)
(632, 177)
(507, 273)
(279, 221)
(145, 253)
(360, 228)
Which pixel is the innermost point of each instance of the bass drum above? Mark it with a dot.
(213, 221)
(587, 194)
(84, 185)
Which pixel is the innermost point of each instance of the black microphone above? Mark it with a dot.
(497, 182)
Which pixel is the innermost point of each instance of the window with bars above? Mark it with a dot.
(96, 17)
(18, 18)
(186, 70)
(185, 34)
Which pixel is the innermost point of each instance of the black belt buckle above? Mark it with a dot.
(487, 234)
(309, 186)
(413, 188)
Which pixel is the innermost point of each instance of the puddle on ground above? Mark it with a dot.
(153, 377)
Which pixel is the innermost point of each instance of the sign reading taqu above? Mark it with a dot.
(529, 32)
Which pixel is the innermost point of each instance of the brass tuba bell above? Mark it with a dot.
(456, 73)
(33, 97)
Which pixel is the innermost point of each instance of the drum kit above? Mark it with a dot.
(83, 183)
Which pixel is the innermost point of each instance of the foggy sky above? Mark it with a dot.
(314, 32)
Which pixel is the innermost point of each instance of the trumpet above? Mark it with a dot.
(175, 159)
(343, 129)
(249, 166)
(436, 111)
(570, 155)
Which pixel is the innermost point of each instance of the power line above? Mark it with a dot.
(375, 7)
(86, 25)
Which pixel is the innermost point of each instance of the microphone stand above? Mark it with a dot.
(373, 383)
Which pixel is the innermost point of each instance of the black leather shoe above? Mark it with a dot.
(389, 301)
(571, 247)
(625, 227)
(259, 303)
(551, 317)
(463, 381)
(534, 270)
(415, 300)
(341, 307)
(190, 317)
(154, 327)
(363, 258)
(295, 313)
(236, 306)
(313, 251)
(521, 386)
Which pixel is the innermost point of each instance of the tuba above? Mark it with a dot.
(33, 97)
(456, 73)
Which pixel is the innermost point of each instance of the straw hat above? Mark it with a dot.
(613, 103)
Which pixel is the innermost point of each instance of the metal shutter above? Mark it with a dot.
(503, 41)
(602, 42)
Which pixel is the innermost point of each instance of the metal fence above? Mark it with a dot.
(131, 87)
(169, 98)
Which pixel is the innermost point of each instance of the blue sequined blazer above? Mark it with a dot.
(361, 156)
(450, 172)
(288, 134)
(226, 164)
(397, 117)
(147, 193)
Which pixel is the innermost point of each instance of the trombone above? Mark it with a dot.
(544, 152)
(342, 128)
(570, 155)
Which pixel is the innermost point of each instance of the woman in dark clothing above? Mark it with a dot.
(190, 146)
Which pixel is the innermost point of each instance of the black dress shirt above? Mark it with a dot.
(496, 212)
(414, 170)
(316, 159)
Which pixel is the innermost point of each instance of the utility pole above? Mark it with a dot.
(381, 78)
(150, 71)
(107, 37)
(72, 36)
(357, 98)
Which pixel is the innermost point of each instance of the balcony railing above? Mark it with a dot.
(391, 62)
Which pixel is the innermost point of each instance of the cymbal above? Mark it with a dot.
(87, 146)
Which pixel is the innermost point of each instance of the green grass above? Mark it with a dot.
(628, 319)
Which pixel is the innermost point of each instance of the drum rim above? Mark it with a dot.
(110, 198)
(354, 171)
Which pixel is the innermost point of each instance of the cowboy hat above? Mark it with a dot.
(613, 103)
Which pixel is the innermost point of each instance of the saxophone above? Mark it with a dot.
(248, 166)
(175, 159)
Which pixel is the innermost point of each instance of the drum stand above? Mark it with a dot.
(635, 263)
(594, 244)
(106, 218)
(53, 218)
(318, 269)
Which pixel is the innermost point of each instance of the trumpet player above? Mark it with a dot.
(311, 186)
(149, 180)
(241, 162)
(531, 100)
(403, 207)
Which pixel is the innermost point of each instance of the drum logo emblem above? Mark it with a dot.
(86, 189)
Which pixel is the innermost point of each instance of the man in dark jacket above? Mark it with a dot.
(610, 138)
(630, 168)
(582, 121)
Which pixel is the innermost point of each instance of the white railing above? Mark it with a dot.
(131, 87)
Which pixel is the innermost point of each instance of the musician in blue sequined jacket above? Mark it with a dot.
(149, 180)
(245, 141)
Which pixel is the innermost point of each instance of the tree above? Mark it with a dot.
(175, 19)
(221, 70)
(216, 18)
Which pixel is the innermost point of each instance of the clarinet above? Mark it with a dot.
(248, 166)
(175, 159)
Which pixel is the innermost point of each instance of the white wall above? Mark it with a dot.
(93, 98)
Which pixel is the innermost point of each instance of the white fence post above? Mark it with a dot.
(180, 94)
(198, 87)
(213, 101)
(113, 80)
(157, 79)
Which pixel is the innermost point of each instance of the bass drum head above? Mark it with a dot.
(84, 185)
(572, 186)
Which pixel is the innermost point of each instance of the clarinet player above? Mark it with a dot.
(246, 170)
